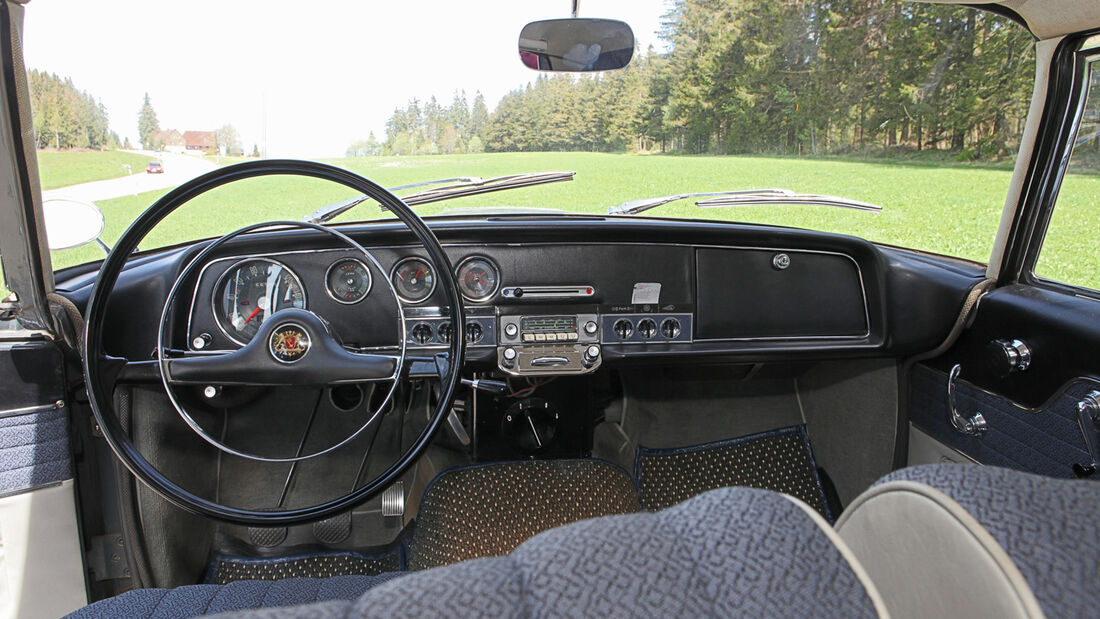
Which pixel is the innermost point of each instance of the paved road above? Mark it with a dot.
(177, 169)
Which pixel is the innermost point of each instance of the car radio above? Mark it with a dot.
(549, 344)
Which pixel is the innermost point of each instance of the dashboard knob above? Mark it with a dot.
(474, 332)
(509, 353)
(201, 341)
(422, 333)
(444, 332)
(511, 329)
(590, 327)
(623, 328)
(670, 328)
(647, 328)
(592, 353)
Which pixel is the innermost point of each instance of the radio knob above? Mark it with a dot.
(590, 327)
(509, 353)
(592, 353)
(511, 329)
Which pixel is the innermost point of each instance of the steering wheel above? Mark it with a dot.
(293, 347)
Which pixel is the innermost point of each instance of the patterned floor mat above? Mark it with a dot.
(226, 568)
(779, 460)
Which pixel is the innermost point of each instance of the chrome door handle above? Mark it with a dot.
(974, 425)
(1088, 417)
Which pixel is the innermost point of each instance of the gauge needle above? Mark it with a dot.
(534, 431)
(252, 315)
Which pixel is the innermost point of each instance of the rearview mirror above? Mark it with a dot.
(576, 44)
(70, 223)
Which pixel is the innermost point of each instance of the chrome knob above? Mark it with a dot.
(509, 353)
(592, 353)
(590, 327)
(511, 329)
(1008, 356)
(201, 341)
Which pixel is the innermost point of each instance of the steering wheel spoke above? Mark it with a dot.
(292, 348)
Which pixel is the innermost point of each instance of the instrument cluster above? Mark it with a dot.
(252, 289)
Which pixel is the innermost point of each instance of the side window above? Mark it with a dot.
(1070, 253)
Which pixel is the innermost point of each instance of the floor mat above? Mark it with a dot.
(779, 460)
(228, 568)
(487, 510)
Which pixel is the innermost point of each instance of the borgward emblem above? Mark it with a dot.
(289, 343)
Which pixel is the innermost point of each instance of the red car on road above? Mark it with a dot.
(155, 167)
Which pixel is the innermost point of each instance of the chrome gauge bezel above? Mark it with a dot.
(393, 272)
(214, 294)
(496, 272)
(328, 288)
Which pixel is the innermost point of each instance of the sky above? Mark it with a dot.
(322, 73)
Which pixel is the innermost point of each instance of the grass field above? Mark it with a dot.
(945, 208)
(64, 168)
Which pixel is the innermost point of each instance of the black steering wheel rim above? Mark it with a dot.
(101, 402)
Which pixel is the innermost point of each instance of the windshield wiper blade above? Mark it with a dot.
(334, 210)
(632, 207)
(479, 186)
(772, 196)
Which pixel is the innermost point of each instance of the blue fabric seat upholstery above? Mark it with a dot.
(729, 552)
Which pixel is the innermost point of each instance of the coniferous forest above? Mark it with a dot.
(789, 77)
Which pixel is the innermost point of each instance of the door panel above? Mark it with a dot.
(1031, 414)
(41, 566)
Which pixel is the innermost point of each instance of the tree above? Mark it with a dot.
(227, 140)
(148, 126)
(479, 118)
(65, 117)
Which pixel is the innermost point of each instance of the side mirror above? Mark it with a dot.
(70, 223)
(576, 44)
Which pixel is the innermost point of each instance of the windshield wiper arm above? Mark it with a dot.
(644, 204)
(771, 196)
(743, 197)
(478, 186)
(461, 186)
(331, 211)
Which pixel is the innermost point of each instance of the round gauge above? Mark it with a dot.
(348, 281)
(250, 292)
(478, 279)
(413, 279)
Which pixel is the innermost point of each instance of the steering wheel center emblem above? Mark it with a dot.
(288, 343)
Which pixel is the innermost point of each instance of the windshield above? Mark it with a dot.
(914, 108)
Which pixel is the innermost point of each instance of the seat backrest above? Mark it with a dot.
(728, 552)
(975, 541)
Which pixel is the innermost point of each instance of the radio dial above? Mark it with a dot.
(511, 329)
(590, 327)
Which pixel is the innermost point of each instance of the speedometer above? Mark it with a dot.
(250, 292)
